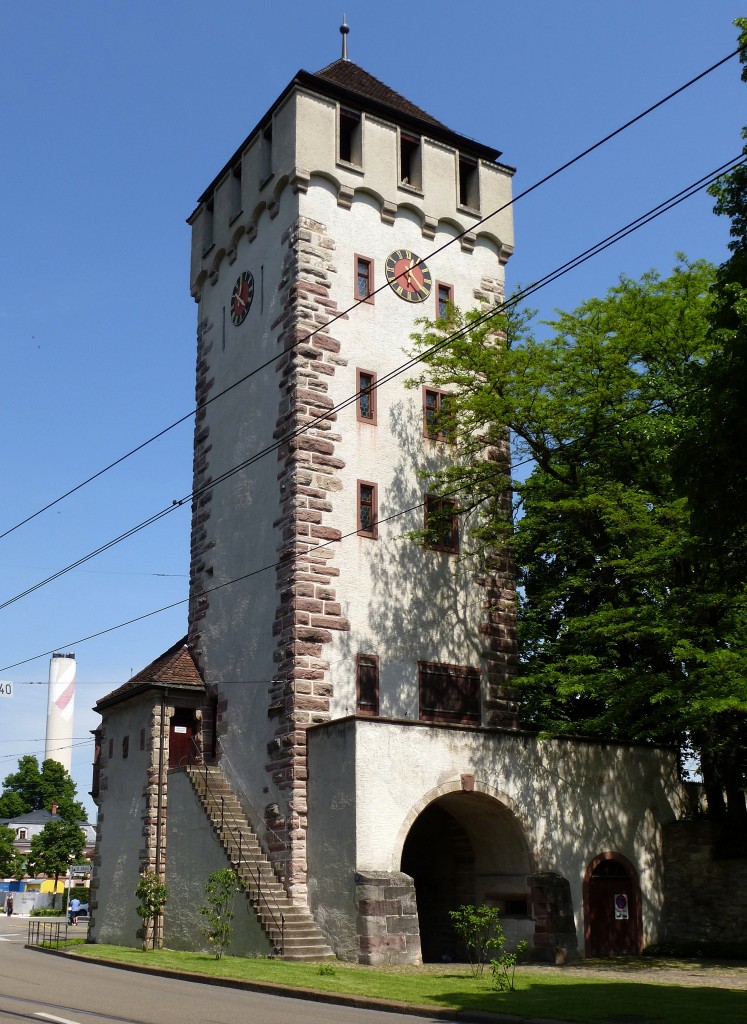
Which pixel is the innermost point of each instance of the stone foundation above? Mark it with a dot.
(555, 939)
(388, 931)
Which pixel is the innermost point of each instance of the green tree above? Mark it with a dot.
(11, 864)
(626, 627)
(32, 788)
(220, 890)
(55, 848)
(151, 892)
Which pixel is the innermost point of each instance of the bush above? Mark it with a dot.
(480, 930)
(47, 912)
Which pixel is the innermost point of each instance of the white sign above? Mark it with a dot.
(621, 907)
(6, 688)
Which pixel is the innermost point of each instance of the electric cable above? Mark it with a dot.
(384, 379)
(634, 225)
(344, 313)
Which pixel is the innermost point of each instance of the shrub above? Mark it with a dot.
(480, 930)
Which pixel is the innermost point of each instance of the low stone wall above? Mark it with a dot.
(388, 931)
(705, 897)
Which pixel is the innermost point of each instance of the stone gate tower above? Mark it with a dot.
(347, 684)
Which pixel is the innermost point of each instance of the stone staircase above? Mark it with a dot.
(292, 930)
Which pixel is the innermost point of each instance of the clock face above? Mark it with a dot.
(241, 297)
(412, 283)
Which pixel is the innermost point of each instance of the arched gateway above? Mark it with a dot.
(467, 847)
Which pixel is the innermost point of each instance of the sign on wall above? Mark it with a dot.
(621, 907)
(6, 688)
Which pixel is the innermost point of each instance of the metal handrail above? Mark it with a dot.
(260, 895)
(264, 831)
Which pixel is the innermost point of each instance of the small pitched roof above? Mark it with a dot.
(175, 667)
(38, 817)
(351, 76)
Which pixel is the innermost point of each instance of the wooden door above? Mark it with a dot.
(182, 729)
(612, 910)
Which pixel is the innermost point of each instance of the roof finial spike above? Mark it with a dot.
(344, 29)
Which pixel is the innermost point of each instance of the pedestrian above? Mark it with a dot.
(74, 910)
(9, 905)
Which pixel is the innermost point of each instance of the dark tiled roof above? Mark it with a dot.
(350, 76)
(175, 667)
(39, 817)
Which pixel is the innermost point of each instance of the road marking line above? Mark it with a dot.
(58, 1020)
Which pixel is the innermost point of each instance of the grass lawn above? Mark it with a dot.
(560, 994)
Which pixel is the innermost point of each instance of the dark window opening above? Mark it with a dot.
(235, 186)
(367, 512)
(351, 148)
(410, 161)
(441, 524)
(207, 227)
(125, 747)
(449, 693)
(366, 396)
(142, 739)
(469, 190)
(367, 684)
(266, 154)
(111, 747)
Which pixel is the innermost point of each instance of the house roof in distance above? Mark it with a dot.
(174, 668)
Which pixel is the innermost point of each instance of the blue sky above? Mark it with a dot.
(115, 117)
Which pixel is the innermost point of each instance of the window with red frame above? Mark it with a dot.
(367, 509)
(438, 422)
(367, 684)
(449, 693)
(441, 524)
(366, 407)
(364, 282)
(444, 299)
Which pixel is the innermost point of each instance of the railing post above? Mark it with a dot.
(240, 836)
(222, 801)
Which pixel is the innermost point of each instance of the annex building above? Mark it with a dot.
(338, 722)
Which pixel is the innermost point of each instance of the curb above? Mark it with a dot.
(335, 998)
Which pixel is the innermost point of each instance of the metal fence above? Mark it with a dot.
(47, 933)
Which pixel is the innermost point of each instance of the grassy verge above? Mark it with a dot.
(558, 994)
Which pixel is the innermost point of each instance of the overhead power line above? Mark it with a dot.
(553, 275)
(344, 313)
(384, 379)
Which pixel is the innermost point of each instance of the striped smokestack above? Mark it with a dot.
(60, 706)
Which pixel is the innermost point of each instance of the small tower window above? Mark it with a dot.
(444, 299)
(469, 189)
(367, 511)
(22, 833)
(364, 283)
(410, 163)
(366, 411)
(438, 418)
(266, 154)
(351, 137)
(125, 747)
(441, 524)
(367, 684)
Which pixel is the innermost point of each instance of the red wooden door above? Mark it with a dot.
(612, 911)
(181, 737)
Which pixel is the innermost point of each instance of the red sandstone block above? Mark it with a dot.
(329, 622)
(325, 533)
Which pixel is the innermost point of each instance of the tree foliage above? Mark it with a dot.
(55, 848)
(11, 864)
(627, 629)
(152, 893)
(32, 788)
(220, 891)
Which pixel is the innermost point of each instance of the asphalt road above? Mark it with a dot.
(41, 988)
